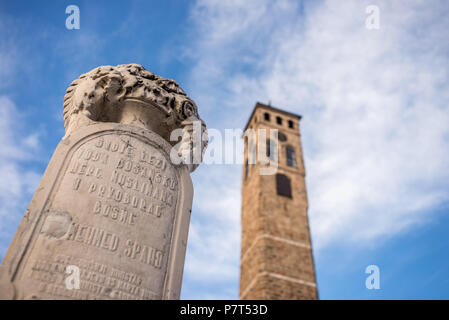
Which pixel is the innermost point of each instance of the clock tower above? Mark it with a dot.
(276, 252)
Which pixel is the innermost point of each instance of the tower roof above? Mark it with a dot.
(268, 107)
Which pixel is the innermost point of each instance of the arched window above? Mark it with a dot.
(290, 124)
(282, 137)
(283, 185)
(266, 116)
(291, 156)
(271, 149)
(279, 120)
(246, 169)
(268, 148)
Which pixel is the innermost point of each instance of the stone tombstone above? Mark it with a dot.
(110, 217)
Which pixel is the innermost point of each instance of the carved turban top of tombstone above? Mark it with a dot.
(130, 94)
(101, 94)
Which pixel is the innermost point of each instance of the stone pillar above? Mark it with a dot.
(111, 205)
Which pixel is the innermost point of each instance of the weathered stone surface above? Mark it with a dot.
(130, 94)
(7, 288)
(111, 201)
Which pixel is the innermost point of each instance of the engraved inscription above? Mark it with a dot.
(117, 213)
(144, 253)
(92, 236)
(121, 194)
(97, 281)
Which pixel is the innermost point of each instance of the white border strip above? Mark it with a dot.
(269, 236)
(275, 275)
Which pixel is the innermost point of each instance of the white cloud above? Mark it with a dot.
(212, 257)
(18, 182)
(374, 102)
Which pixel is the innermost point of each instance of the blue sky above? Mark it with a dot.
(375, 121)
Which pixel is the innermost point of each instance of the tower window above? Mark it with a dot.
(283, 186)
(279, 120)
(246, 169)
(282, 137)
(268, 148)
(271, 150)
(290, 124)
(291, 156)
(266, 116)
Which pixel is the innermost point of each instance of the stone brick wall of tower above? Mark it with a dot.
(276, 257)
